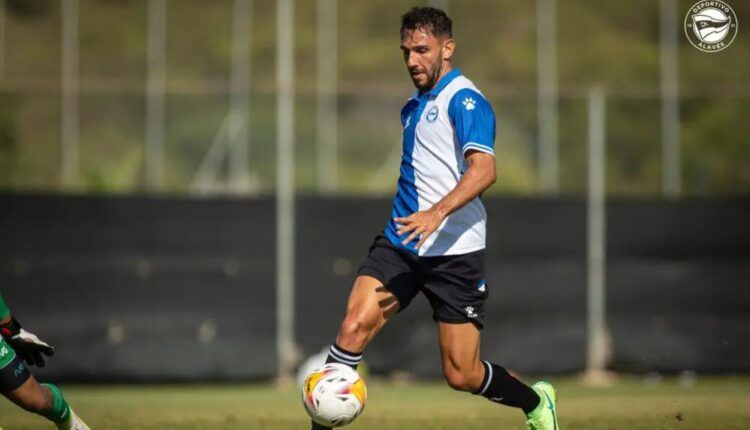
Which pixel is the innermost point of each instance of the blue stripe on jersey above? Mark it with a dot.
(406, 201)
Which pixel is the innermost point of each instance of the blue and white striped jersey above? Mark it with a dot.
(439, 127)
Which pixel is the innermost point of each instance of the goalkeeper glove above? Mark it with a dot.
(27, 345)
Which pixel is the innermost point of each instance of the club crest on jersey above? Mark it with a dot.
(432, 114)
(469, 103)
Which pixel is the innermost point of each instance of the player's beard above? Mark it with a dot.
(432, 78)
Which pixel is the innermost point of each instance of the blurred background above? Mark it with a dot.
(187, 187)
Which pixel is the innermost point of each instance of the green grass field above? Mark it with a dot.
(712, 403)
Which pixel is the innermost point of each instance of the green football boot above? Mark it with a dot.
(544, 417)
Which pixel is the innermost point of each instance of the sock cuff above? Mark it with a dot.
(541, 404)
(486, 380)
(344, 356)
(59, 411)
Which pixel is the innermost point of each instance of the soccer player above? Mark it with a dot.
(16, 383)
(434, 242)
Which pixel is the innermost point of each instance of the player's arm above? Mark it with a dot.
(474, 124)
(27, 345)
(479, 176)
(5, 316)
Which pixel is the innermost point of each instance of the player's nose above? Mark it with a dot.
(411, 60)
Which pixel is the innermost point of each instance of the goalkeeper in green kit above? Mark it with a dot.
(18, 350)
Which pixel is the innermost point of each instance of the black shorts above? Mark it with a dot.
(453, 284)
(13, 371)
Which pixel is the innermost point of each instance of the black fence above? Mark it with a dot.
(132, 288)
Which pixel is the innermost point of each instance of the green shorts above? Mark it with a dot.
(13, 371)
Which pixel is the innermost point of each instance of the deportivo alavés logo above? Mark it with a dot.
(432, 114)
(711, 25)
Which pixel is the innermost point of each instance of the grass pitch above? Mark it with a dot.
(632, 404)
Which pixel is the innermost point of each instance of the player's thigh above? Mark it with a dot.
(31, 395)
(393, 269)
(16, 382)
(456, 289)
(370, 302)
(14, 374)
(459, 347)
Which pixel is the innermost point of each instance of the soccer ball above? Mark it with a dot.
(334, 395)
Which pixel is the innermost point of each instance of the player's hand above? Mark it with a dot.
(420, 224)
(27, 345)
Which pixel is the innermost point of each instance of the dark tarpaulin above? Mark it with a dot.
(137, 288)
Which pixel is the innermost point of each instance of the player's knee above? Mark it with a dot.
(462, 379)
(457, 381)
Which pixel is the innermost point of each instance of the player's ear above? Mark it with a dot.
(448, 47)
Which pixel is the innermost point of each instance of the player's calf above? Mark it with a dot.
(356, 331)
(20, 387)
(367, 311)
(38, 401)
(58, 410)
(48, 401)
(501, 387)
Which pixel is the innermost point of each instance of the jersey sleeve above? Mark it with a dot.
(4, 311)
(473, 120)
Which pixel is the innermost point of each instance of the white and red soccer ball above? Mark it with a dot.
(334, 395)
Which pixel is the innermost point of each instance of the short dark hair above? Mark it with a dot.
(428, 19)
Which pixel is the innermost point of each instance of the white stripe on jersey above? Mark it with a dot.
(440, 126)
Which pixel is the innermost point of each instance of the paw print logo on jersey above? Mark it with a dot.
(470, 312)
(469, 103)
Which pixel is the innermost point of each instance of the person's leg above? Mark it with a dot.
(42, 399)
(463, 369)
(459, 353)
(459, 350)
(17, 384)
(46, 400)
(385, 285)
(20, 387)
(368, 309)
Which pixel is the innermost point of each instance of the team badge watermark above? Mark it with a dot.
(711, 25)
